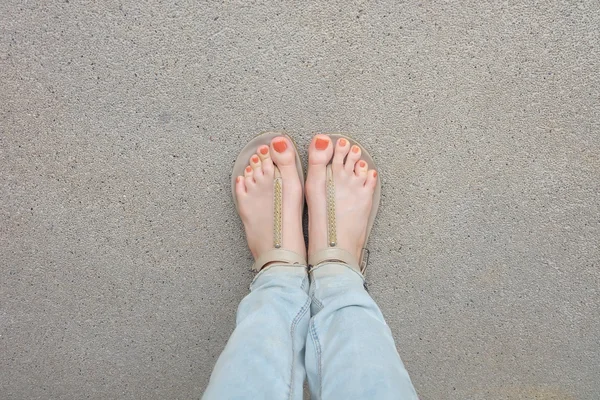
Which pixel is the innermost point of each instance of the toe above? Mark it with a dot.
(249, 177)
(240, 187)
(353, 157)
(256, 165)
(360, 170)
(267, 163)
(342, 147)
(282, 151)
(320, 150)
(371, 179)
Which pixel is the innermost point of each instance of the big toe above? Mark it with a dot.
(320, 150)
(282, 152)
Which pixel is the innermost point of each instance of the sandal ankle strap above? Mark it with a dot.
(278, 256)
(338, 255)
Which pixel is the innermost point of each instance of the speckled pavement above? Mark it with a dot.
(123, 260)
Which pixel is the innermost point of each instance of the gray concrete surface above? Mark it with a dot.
(123, 260)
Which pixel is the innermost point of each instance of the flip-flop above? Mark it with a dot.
(333, 253)
(277, 253)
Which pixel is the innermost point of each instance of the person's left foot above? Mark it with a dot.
(254, 192)
(354, 188)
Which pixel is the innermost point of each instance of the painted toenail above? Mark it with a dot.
(355, 149)
(374, 174)
(321, 144)
(254, 159)
(280, 146)
(264, 150)
(342, 142)
(362, 164)
(248, 169)
(238, 179)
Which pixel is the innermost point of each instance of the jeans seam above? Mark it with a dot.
(304, 282)
(298, 317)
(315, 339)
(317, 303)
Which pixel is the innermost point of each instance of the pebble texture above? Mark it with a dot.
(122, 257)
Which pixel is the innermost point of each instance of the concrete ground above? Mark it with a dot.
(123, 260)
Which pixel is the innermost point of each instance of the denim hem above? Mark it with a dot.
(262, 271)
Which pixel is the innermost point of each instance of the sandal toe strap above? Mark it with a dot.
(334, 253)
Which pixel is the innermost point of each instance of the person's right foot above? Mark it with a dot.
(254, 193)
(354, 188)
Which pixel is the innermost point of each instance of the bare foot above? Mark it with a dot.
(254, 192)
(354, 188)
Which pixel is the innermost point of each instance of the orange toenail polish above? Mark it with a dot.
(280, 146)
(264, 150)
(321, 144)
(342, 142)
(362, 164)
(248, 169)
(355, 149)
(254, 159)
(374, 174)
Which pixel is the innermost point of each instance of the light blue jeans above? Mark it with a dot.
(328, 330)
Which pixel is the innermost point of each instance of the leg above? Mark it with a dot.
(350, 352)
(264, 358)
